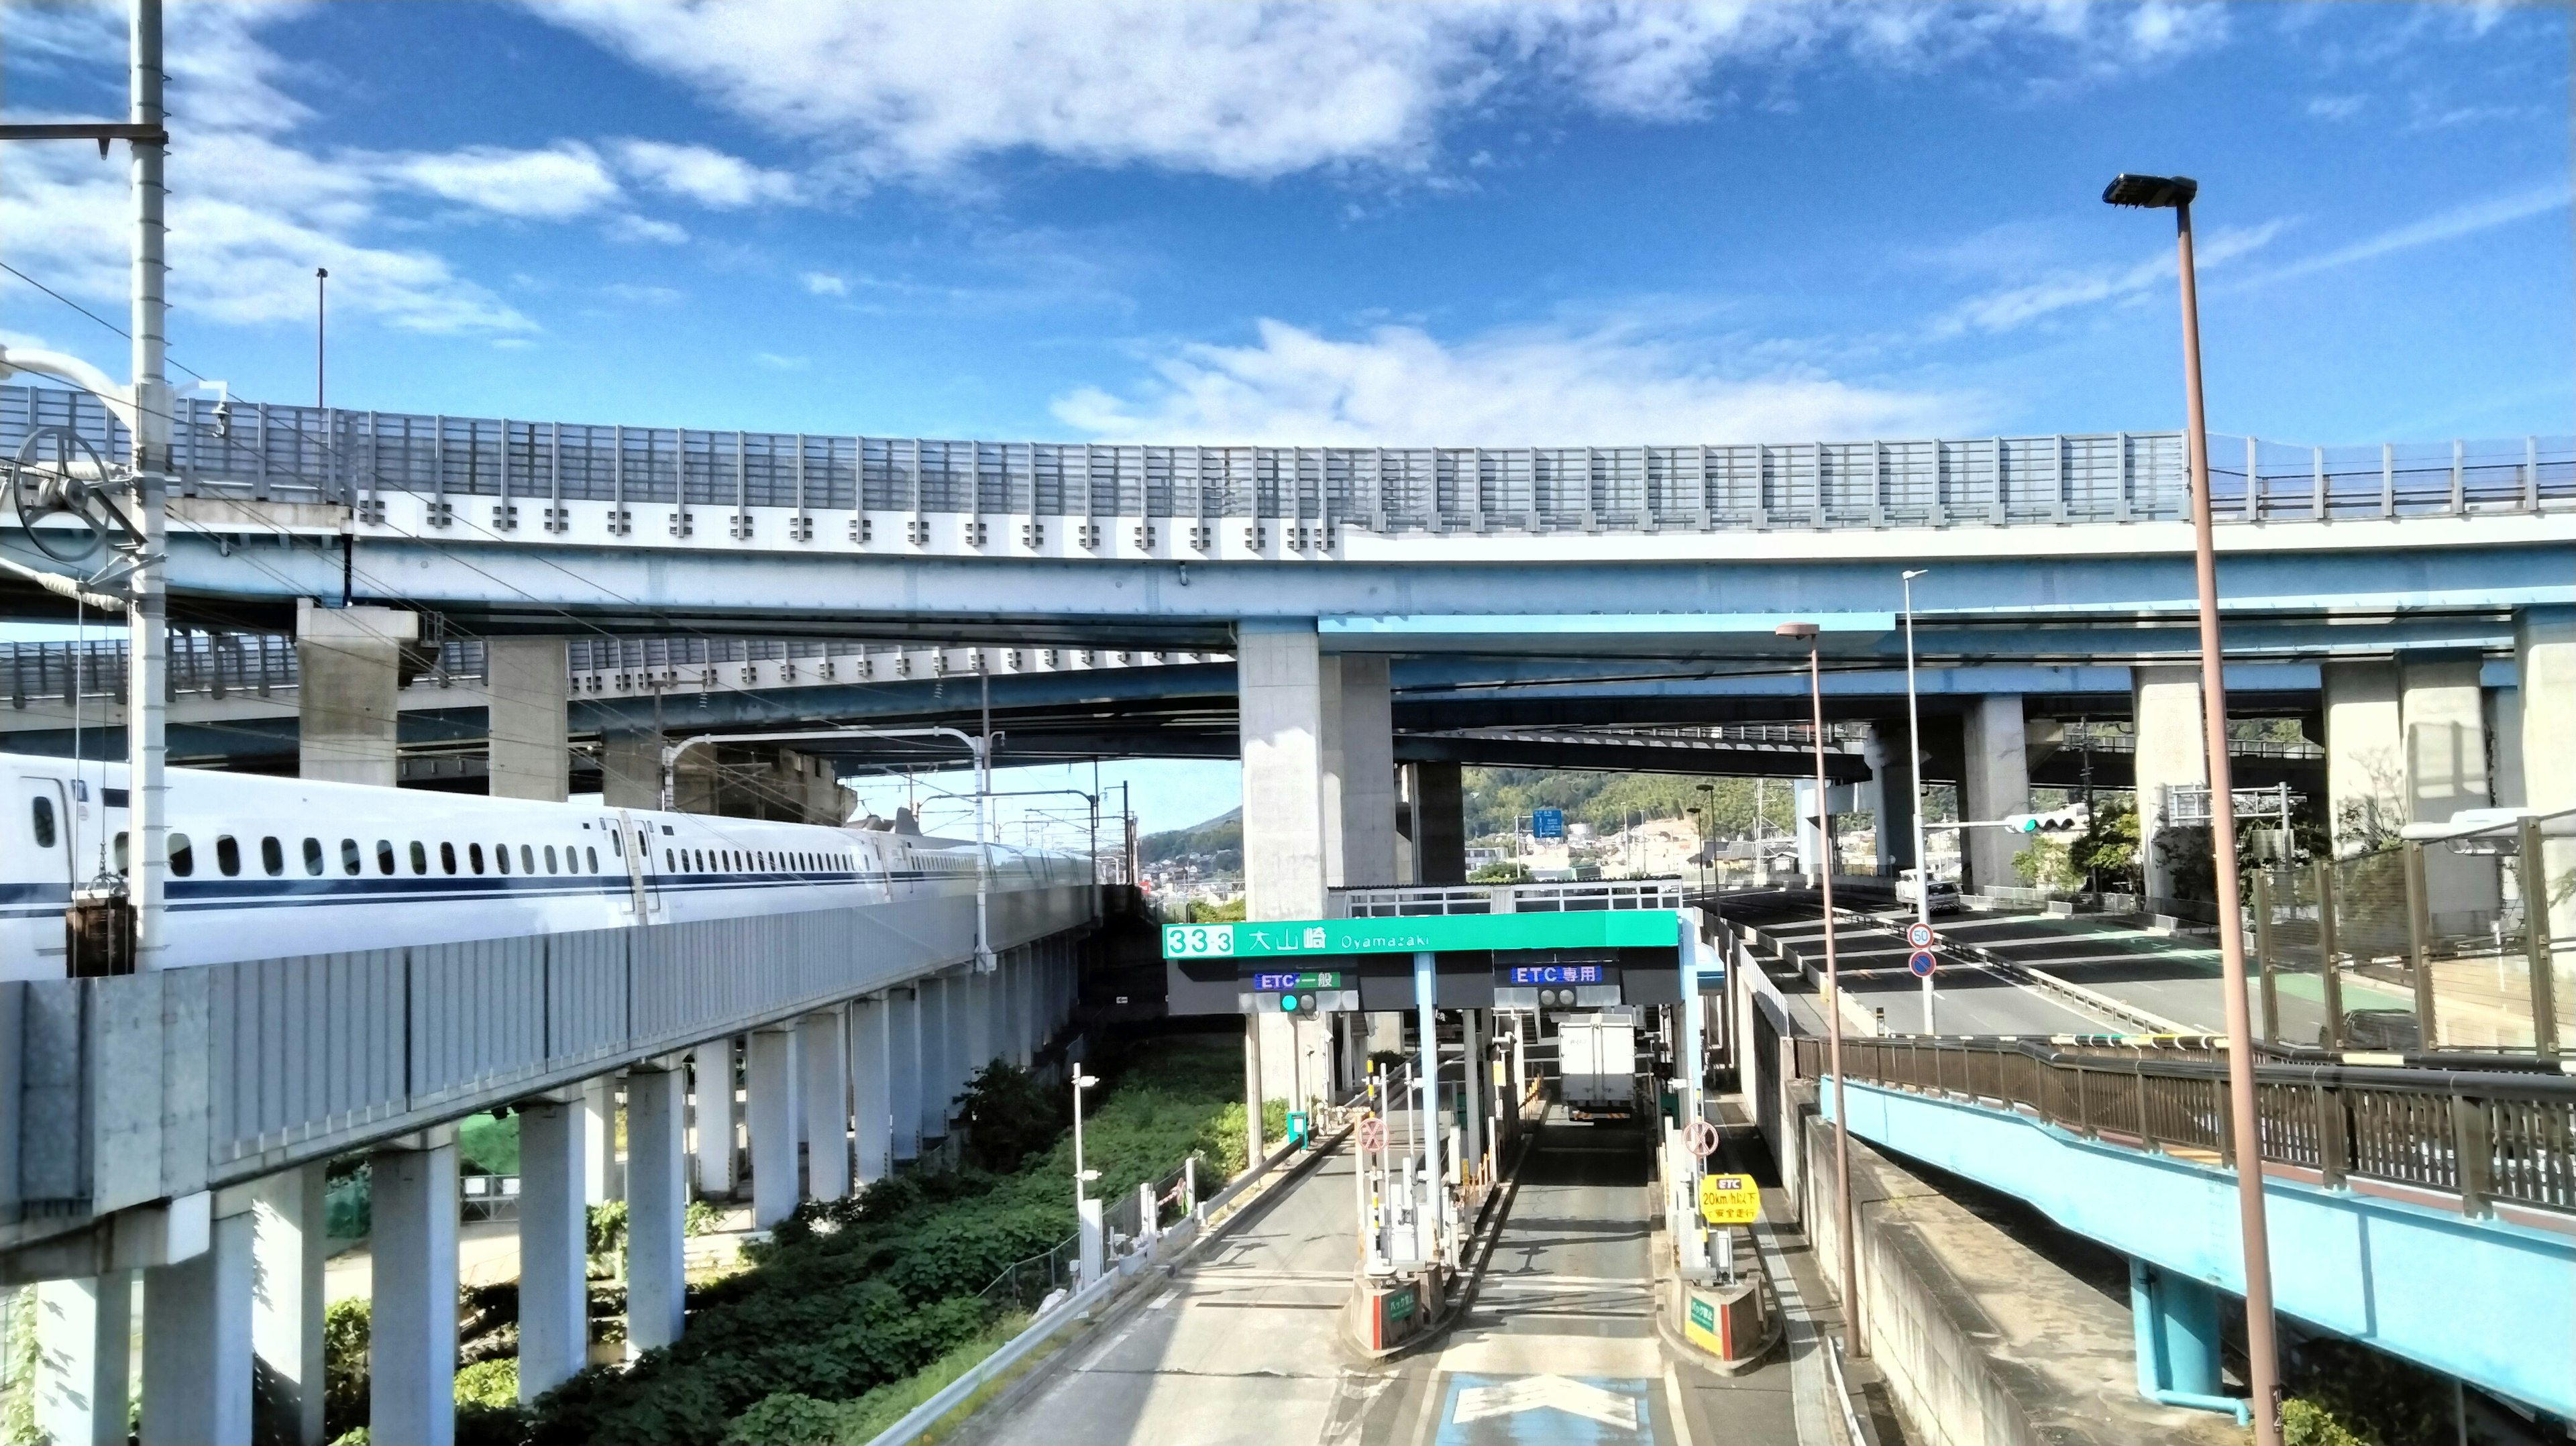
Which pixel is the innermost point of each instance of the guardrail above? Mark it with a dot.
(2483, 1137)
(1416, 900)
(270, 452)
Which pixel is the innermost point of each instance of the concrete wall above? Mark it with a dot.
(1984, 1341)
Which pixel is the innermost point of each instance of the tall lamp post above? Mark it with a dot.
(1085, 1217)
(1708, 833)
(1699, 829)
(2175, 193)
(1914, 742)
(1854, 1341)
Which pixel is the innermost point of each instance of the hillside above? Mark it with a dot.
(1216, 846)
(1495, 796)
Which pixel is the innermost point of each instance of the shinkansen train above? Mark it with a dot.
(267, 867)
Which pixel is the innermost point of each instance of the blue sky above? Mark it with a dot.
(1483, 223)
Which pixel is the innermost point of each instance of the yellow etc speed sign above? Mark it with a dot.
(1729, 1200)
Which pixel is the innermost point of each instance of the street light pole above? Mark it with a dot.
(1914, 742)
(1854, 1341)
(2261, 1347)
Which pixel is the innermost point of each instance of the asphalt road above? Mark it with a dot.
(1558, 1345)
(2172, 978)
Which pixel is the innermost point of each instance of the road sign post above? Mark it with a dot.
(1922, 963)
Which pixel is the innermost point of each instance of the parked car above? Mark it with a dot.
(1945, 892)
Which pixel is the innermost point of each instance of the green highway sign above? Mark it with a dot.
(1583, 929)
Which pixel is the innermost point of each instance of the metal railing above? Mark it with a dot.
(1412, 900)
(290, 453)
(2484, 1137)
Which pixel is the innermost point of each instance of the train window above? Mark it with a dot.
(528, 859)
(353, 860)
(43, 822)
(447, 858)
(419, 857)
(615, 845)
(313, 856)
(593, 855)
(384, 856)
(183, 855)
(120, 851)
(667, 866)
(500, 856)
(474, 856)
(272, 856)
(227, 855)
(550, 860)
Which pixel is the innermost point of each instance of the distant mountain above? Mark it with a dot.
(1217, 844)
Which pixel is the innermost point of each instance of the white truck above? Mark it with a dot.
(1596, 1060)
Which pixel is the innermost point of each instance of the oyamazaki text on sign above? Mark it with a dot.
(1585, 929)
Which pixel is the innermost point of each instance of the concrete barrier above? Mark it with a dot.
(1983, 1341)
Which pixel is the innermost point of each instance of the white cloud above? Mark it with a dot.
(705, 175)
(2015, 306)
(824, 283)
(559, 182)
(1261, 90)
(1401, 386)
(628, 291)
(2449, 225)
(627, 227)
(2335, 107)
(775, 362)
(251, 214)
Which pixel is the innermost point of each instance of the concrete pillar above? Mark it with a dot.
(2544, 654)
(2504, 736)
(2365, 754)
(1279, 679)
(348, 686)
(84, 1334)
(960, 1052)
(2176, 1320)
(599, 1182)
(630, 767)
(979, 1020)
(288, 1251)
(872, 1087)
(1281, 1052)
(657, 1205)
(903, 1028)
(823, 1059)
(770, 1104)
(197, 1334)
(411, 1348)
(554, 1239)
(713, 1099)
(1995, 782)
(1010, 1015)
(1255, 1088)
(1439, 822)
(1811, 834)
(1892, 770)
(1360, 782)
(933, 993)
(530, 685)
(2172, 750)
(2442, 709)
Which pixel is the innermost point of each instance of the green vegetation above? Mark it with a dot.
(855, 1303)
(788, 1419)
(1229, 912)
(1495, 797)
(1499, 873)
(2346, 1394)
(1217, 843)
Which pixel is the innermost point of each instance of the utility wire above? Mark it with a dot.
(94, 316)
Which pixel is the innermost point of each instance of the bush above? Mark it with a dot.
(2046, 864)
(1499, 873)
(852, 1296)
(2305, 1423)
(344, 1367)
(1007, 1116)
(1229, 912)
(347, 1203)
(488, 1144)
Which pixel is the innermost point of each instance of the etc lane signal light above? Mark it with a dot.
(2074, 818)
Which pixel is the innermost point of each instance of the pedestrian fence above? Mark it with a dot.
(2488, 1137)
(1032, 1283)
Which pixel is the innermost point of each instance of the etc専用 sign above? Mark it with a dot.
(1576, 929)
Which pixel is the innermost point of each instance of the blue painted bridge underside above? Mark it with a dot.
(2492, 1302)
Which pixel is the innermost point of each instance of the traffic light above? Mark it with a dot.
(2073, 818)
(1293, 1003)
